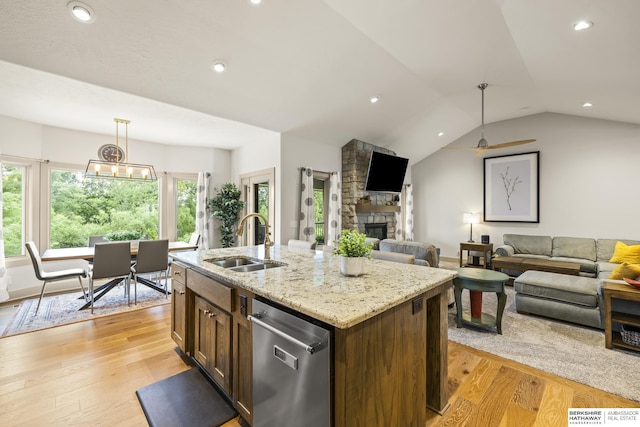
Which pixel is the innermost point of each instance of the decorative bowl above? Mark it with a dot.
(632, 282)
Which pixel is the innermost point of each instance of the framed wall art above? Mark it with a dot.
(511, 188)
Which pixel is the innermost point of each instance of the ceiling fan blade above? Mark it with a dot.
(458, 148)
(511, 144)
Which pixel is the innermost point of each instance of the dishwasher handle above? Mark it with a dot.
(309, 348)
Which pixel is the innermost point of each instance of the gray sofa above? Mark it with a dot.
(425, 253)
(576, 299)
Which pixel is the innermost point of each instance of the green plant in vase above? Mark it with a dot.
(353, 249)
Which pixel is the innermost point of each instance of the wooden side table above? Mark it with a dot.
(485, 248)
(615, 290)
(480, 280)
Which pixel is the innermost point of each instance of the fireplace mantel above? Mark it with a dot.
(376, 208)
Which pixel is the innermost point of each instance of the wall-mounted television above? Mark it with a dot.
(386, 172)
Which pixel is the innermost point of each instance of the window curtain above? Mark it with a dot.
(202, 216)
(4, 293)
(335, 209)
(404, 218)
(307, 222)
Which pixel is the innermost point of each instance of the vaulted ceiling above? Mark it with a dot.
(307, 68)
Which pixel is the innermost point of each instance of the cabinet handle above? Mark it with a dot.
(211, 315)
(176, 273)
(205, 312)
(181, 292)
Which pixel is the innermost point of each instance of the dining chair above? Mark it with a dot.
(194, 239)
(96, 239)
(110, 261)
(300, 244)
(52, 276)
(153, 257)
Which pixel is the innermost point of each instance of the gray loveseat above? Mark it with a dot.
(576, 299)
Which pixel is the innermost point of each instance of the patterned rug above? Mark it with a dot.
(62, 309)
(564, 349)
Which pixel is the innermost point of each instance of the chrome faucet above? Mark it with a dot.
(267, 241)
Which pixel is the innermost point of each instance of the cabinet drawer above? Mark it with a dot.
(178, 273)
(214, 292)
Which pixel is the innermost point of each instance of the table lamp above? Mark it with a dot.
(471, 218)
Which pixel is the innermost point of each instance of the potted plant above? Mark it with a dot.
(353, 250)
(226, 206)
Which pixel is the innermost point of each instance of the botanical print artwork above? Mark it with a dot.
(511, 188)
(510, 181)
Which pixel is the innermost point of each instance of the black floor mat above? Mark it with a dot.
(185, 399)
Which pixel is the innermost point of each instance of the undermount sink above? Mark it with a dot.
(232, 261)
(244, 264)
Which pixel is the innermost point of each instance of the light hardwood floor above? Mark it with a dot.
(87, 373)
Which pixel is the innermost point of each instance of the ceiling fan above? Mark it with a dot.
(483, 145)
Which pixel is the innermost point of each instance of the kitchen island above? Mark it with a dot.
(389, 326)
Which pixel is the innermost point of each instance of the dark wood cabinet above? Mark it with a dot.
(209, 323)
(242, 355)
(212, 342)
(179, 310)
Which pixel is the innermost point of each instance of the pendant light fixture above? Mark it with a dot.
(111, 164)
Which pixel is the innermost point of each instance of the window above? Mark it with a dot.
(13, 208)
(81, 208)
(185, 208)
(319, 208)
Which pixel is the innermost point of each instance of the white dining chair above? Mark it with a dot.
(300, 244)
(52, 276)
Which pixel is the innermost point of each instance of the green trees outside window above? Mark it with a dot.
(85, 207)
(12, 208)
(186, 208)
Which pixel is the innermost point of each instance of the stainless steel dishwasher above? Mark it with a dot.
(291, 370)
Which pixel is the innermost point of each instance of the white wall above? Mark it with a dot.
(297, 153)
(588, 181)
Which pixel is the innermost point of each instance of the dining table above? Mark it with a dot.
(87, 252)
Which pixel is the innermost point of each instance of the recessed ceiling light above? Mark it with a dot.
(218, 66)
(587, 105)
(81, 12)
(374, 99)
(582, 25)
(255, 2)
(440, 133)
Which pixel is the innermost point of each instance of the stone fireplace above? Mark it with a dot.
(378, 231)
(381, 206)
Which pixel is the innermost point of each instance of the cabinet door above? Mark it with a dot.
(212, 342)
(202, 332)
(243, 356)
(220, 358)
(179, 314)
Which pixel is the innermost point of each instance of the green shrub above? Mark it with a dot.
(117, 236)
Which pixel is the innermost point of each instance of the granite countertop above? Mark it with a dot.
(311, 282)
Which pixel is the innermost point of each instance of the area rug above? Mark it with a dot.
(569, 351)
(184, 399)
(62, 309)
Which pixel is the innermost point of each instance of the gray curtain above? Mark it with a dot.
(4, 293)
(335, 209)
(307, 221)
(202, 216)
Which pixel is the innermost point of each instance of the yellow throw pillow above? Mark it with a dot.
(624, 253)
(625, 270)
